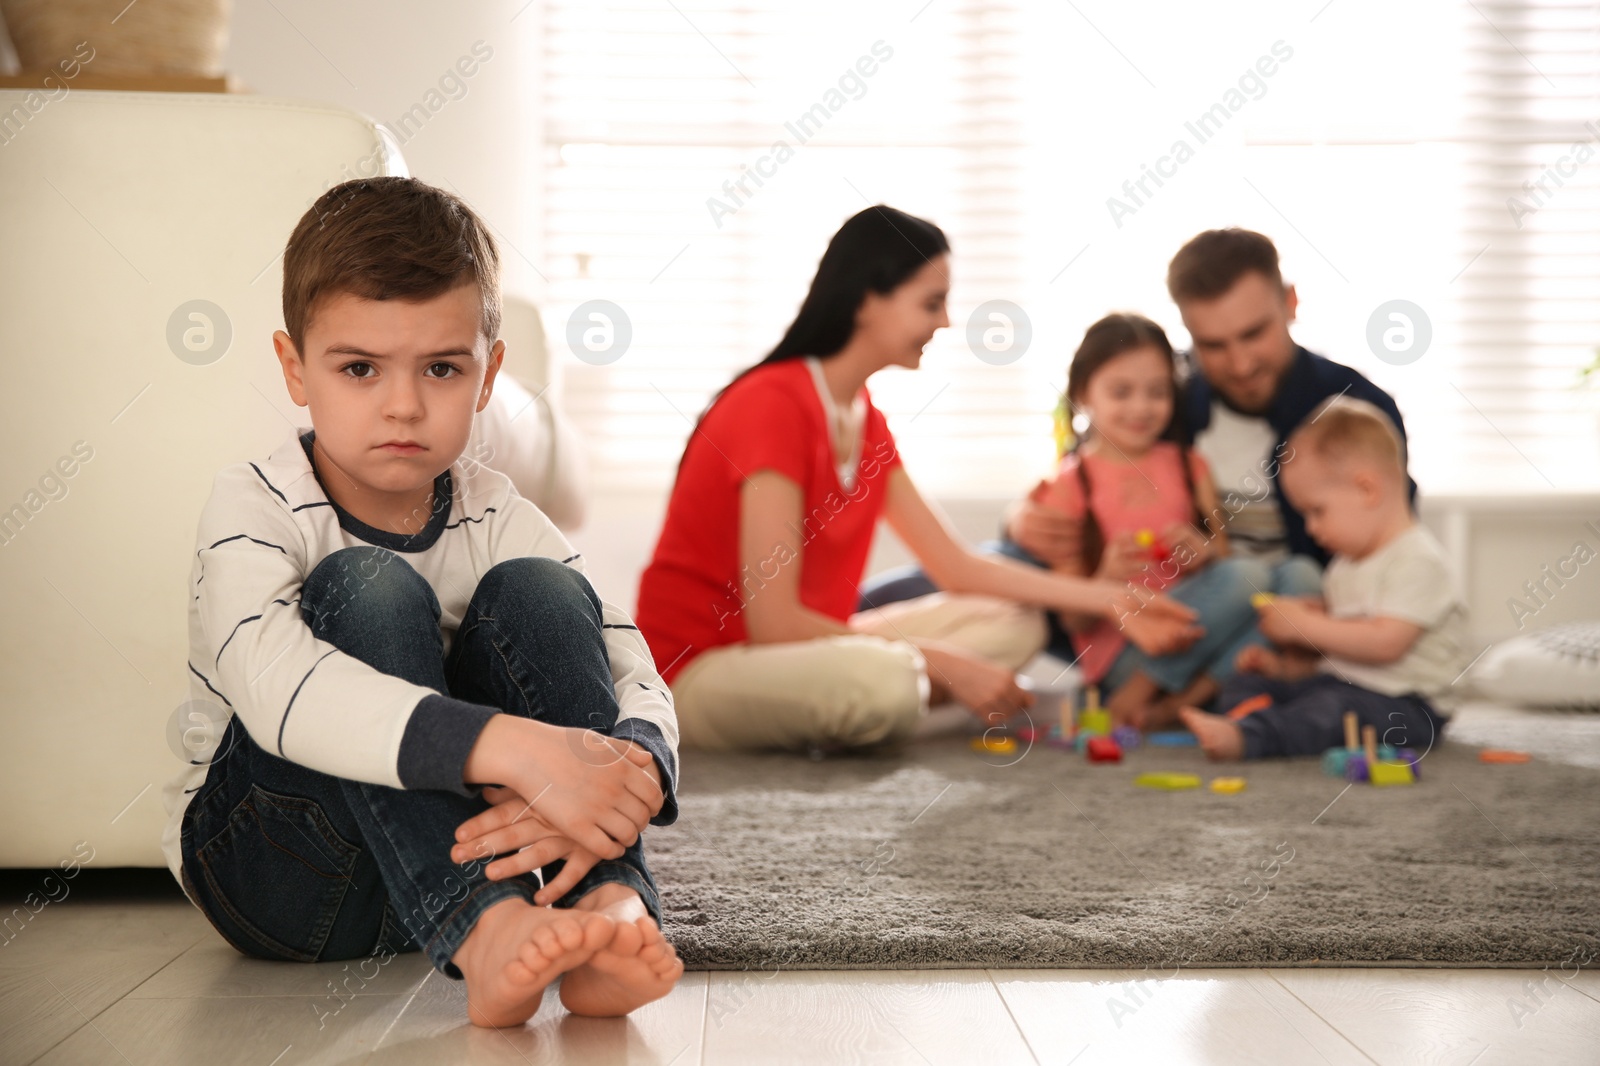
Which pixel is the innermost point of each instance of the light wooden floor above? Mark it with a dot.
(148, 981)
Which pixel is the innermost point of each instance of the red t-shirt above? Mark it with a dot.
(770, 419)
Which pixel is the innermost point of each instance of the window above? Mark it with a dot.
(700, 153)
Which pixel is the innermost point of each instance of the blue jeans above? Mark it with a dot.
(1220, 594)
(1306, 717)
(293, 864)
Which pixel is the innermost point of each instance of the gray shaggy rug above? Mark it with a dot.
(942, 856)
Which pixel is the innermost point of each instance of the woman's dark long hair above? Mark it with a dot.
(1108, 338)
(876, 250)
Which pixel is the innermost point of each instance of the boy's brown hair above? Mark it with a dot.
(1344, 428)
(387, 238)
(1213, 261)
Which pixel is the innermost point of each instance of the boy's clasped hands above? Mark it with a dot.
(571, 794)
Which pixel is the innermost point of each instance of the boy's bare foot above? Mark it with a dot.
(1219, 738)
(516, 949)
(636, 967)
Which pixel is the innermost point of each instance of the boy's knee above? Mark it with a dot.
(543, 580)
(363, 581)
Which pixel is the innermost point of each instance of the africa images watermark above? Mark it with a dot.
(13, 122)
(1537, 191)
(1205, 126)
(803, 128)
(53, 487)
(1553, 577)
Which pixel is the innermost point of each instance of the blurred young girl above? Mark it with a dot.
(1144, 500)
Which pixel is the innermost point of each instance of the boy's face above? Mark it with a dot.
(1342, 503)
(392, 386)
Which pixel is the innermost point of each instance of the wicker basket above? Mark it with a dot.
(186, 37)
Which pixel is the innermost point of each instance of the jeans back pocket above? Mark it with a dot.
(279, 871)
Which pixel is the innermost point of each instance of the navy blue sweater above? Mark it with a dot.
(1310, 379)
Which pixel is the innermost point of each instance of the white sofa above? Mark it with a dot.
(116, 210)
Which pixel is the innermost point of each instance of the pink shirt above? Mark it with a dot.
(1147, 494)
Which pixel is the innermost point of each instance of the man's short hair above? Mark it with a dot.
(1344, 428)
(1211, 263)
(387, 238)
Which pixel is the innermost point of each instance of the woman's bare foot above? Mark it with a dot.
(516, 949)
(1219, 738)
(638, 966)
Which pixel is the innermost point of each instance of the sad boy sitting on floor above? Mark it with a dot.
(1387, 639)
(391, 628)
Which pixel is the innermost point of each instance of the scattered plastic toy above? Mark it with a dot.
(1366, 766)
(1158, 550)
(1228, 786)
(1103, 749)
(1127, 737)
(1173, 738)
(1094, 719)
(1056, 739)
(1498, 755)
(1167, 782)
(1096, 723)
(995, 745)
(1335, 760)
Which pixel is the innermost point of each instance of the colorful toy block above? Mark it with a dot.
(1366, 765)
(995, 745)
(1173, 738)
(1095, 722)
(1228, 786)
(1127, 737)
(1391, 773)
(1494, 755)
(1167, 782)
(1147, 540)
(1103, 749)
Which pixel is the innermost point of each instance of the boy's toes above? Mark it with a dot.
(666, 963)
(628, 939)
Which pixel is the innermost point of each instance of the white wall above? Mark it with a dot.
(478, 139)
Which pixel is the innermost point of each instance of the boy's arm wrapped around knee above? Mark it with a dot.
(646, 717)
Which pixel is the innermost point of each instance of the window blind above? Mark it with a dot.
(698, 157)
(1531, 314)
(1383, 164)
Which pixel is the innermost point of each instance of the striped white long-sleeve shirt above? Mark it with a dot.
(264, 529)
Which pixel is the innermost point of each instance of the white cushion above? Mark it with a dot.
(1555, 667)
